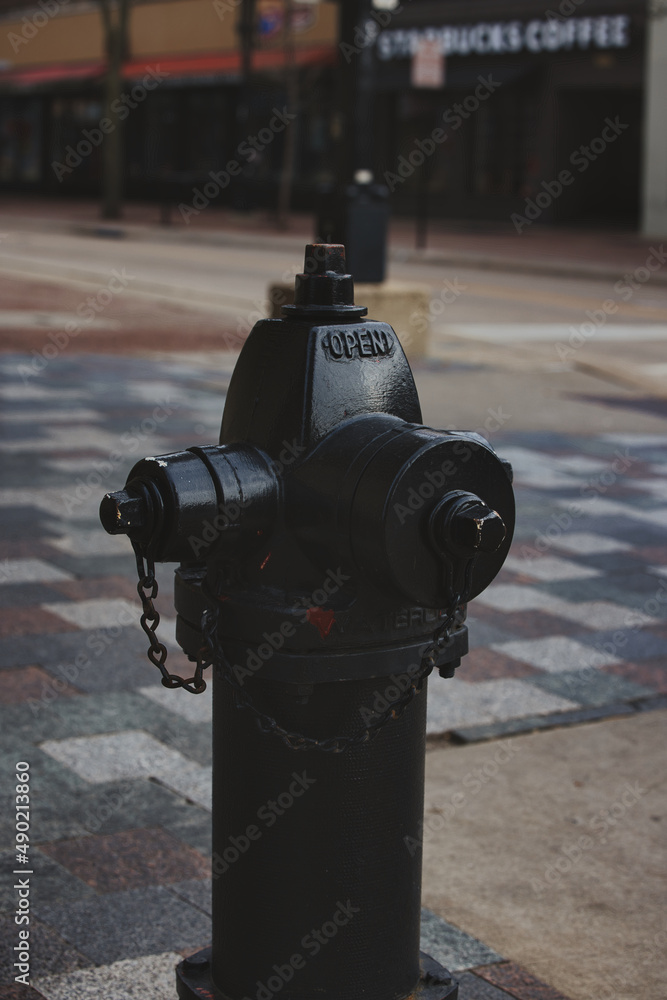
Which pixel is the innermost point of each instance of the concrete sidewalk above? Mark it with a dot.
(557, 251)
(551, 848)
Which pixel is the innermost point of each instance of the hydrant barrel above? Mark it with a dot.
(336, 877)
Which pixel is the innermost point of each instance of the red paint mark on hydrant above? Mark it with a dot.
(265, 561)
(321, 619)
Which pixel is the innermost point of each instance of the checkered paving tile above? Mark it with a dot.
(29, 683)
(51, 955)
(574, 628)
(14, 571)
(132, 754)
(555, 653)
(30, 621)
(150, 977)
(111, 926)
(471, 987)
(118, 861)
(518, 982)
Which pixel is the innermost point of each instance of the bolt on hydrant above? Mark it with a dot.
(328, 547)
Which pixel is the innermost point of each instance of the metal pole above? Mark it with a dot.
(246, 30)
(292, 89)
(356, 93)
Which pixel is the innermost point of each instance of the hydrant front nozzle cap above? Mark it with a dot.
(464, 524)
(123, 512)
(479, 528)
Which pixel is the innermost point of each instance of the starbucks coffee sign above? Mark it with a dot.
(550, 34)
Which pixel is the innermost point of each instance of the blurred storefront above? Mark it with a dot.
(51, 96)
(555, 76)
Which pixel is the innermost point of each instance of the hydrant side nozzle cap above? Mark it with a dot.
(123, 512)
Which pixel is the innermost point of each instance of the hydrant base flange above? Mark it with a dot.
(194, 982)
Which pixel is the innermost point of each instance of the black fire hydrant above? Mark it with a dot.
(327, 547)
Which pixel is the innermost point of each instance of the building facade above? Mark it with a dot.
(526, 96)
(182, 81)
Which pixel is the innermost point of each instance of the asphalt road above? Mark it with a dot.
(566, 353)
(233, 274)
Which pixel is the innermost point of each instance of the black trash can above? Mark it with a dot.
(358, 217)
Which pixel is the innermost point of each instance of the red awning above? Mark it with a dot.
(177, 67)
(228, 63)
(32, 76)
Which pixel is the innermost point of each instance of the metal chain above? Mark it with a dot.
(157, 652)
(334, 744)
(147, 589)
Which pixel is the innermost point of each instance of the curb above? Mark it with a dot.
(541, 723)
(559, 268)
(518, 265)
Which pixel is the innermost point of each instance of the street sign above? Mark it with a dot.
(428, 64)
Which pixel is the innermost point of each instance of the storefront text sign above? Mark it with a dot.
(502, 37)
